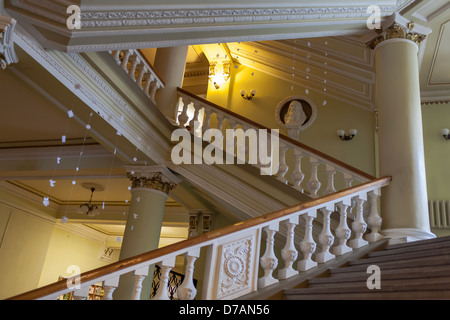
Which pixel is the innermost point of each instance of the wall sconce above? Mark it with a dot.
(444, 133)
(248, 96)
(346, 137)
(217, 77)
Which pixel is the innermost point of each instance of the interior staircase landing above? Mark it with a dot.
(415, 270)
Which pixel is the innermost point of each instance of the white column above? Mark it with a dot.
(170, 65)
(404, 206)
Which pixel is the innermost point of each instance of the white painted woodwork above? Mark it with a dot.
(374, 220)
(139, 70)
(308, 245)
(289, 253)
(233, 259)
(109, 285)
(359, 226)
(326, 238)
(187, 290)
(314, 183)
(343, 232)
(139, 276)
(269, 261)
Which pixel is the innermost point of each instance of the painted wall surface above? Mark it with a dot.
(437, 150)
(23, 247)
(270, 91)
(67, 249)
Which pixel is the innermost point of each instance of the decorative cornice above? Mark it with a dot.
(435, 102)
(154, 177)
(400, 28)
(7, 53)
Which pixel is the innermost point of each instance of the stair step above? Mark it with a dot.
(375, 295)
(387, 265)
(402, 256)
(422, 284)
(409, 273)
(417, 243)
(410, 249)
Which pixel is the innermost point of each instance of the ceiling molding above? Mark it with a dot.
(163, 25)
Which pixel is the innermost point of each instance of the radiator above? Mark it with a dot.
(439, 213)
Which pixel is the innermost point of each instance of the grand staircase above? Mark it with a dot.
(415, 270)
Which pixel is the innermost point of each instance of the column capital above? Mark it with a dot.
(152, 177)
(7, 53)
(397, 27)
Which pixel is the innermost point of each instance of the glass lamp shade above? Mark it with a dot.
(353, 132)
(444, 132)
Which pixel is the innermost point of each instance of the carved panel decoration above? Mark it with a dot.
(236, 262)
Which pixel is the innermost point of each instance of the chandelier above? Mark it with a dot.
(89, 208)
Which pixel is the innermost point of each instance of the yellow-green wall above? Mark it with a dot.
(34, 251)
(270, 91)
(437, 150)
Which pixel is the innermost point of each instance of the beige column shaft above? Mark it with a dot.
(170, 64)
(150, 188)
(404, 207)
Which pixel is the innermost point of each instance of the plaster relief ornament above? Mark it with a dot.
(295, 113)
(294, 118)
(7, 53)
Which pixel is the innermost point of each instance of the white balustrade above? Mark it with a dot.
(135, 65)
(234, 258)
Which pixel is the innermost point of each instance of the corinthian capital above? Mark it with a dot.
(7, 53)
(153, 177)
(397, 27)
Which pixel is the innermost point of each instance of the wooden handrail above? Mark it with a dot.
(186, 244)
(283, 137)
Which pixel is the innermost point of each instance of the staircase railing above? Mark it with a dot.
(326, 174)
(233, 253)
(137, 67)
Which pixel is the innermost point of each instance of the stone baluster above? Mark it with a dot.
(314, 183)
(342, 231)
(166, 266)
(154, 86)
(139, 276)
(207, 120)
(359, 226)
(297, 175)
(308, 245)
(117, 56)
(110, 286)
(283, 169)
(348, 179)
(374, 220)
(330, 178)
(134, 62)
(289, 253)
(326, 238)
(183, 116)
(194, 123)
(125, 60)
(142, 70)
(187, 290)
(148, 81)
(269, 261)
